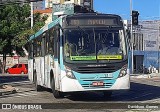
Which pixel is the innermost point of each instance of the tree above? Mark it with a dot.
(15, 28)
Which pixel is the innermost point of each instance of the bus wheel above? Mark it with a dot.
(107, 94)
(56, 94)
(37, 87)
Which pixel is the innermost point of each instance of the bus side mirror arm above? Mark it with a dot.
(59, 26)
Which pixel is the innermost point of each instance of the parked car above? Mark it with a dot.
(18, 69)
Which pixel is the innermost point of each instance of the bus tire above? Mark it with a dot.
(107, 94)
(37, 87)
(56, 93)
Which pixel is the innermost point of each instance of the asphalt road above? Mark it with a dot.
(143, 90)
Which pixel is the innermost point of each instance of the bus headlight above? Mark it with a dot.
(69, 73)
(123, 71)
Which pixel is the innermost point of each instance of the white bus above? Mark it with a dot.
(67, 55)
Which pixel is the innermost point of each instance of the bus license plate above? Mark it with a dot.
(109, 75)
(97, 83)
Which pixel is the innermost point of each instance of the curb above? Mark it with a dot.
(149, 76)
(7, 89)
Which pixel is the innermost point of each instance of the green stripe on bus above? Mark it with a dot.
(109, 57)
(99, 57)
(83, 57)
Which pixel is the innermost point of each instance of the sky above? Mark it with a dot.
(148, 9)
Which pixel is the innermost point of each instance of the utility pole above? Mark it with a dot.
(158, 49)
(131, 36)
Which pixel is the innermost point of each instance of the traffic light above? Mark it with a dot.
(135, 15)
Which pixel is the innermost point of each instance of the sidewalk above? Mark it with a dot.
(152, 75)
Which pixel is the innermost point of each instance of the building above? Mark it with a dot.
(85, 3)
(48, 3)
(44, 7)
(146, 45)
(47, 11)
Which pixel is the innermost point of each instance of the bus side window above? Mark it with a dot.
(51, 48)
(30, 50)
(39, 42)
(47, 44)
(43, 37)
(35, 48)
(51, 41)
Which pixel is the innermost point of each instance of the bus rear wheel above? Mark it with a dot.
(56, 93)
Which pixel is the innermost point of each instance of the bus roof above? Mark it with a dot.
(53, 23)
(45, 28)
(94, 14)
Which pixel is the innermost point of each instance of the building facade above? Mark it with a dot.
(45, 6)
(146, 45)
(48, 3)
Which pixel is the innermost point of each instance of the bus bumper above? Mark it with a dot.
(73, 85)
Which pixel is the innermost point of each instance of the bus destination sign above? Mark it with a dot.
(92, 22)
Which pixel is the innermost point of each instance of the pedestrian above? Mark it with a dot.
(150, 69)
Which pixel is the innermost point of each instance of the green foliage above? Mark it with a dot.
(39, 21)
(15, 27)
(3, 43)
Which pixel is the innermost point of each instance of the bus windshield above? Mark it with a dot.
(94, 45)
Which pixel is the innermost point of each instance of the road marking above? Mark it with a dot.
(25, 94)
(31, 93)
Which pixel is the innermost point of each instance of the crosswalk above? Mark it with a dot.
(24, 89)
(29, 93)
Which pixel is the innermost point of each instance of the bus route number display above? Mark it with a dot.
(91, 22)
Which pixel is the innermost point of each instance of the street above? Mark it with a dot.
(143, 90)
(101, 56)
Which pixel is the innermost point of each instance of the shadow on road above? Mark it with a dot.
(17, 78)
(138, 92)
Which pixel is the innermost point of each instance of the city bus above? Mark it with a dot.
(67, 55)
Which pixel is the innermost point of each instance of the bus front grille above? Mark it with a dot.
(106, 69)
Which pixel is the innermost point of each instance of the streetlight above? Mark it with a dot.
(31, 14)
(31, 1)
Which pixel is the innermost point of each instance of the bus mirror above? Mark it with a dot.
(128, 33)
(60, 27)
